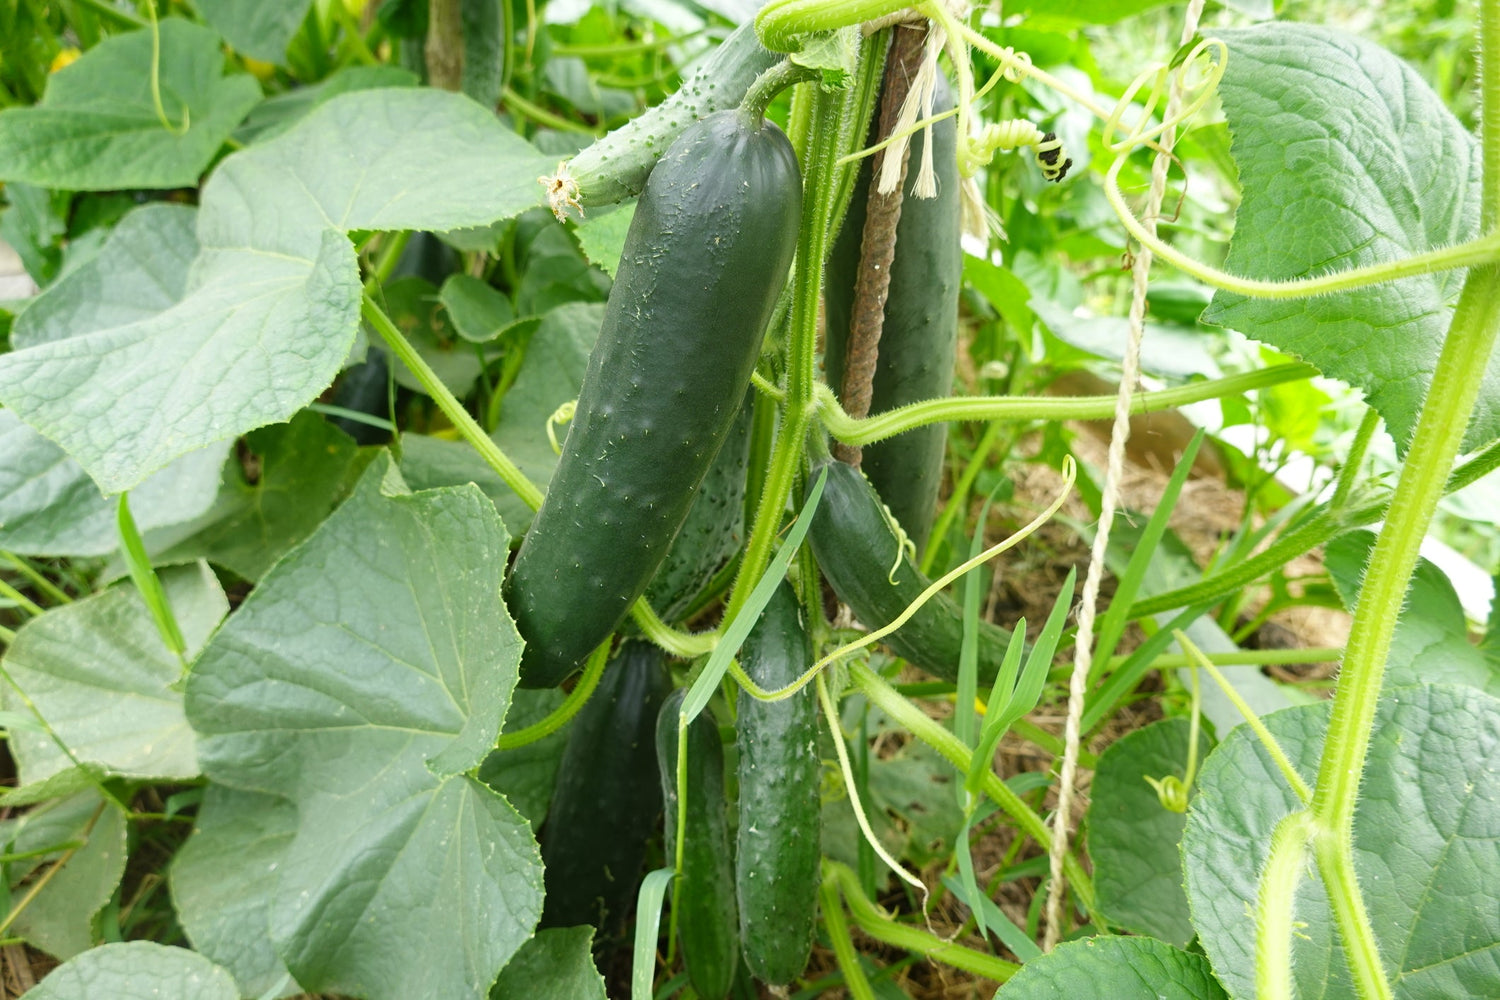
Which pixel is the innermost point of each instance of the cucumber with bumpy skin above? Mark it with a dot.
(607, 799)
(704, 261)
(852, 540)
(919, 340)
(616, 167)
(708, 922)
(780, 832)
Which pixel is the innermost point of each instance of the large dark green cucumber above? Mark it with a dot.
(856, 550)
(708, 923)
(780, 836)
(616, 167)
(705, 258)
(607, 799)
(919, 340)
(714, 528)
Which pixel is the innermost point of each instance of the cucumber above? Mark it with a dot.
(854, 546)
(607, 799)
(780, 831)
(919, 341)
(616, 167)
(708, 923)
(714, 529)
(704, 261)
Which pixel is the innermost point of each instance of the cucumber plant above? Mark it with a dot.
(383, 713)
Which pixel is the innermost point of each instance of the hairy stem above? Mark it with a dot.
(1054, 408)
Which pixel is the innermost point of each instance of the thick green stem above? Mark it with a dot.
(816, 134)
(905, 418)
(843, 945)
(461, 419)
(1439, 434)
(882, 928)
(1274, 926)
(932, 733)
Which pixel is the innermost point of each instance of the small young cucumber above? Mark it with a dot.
(780, 831)
(616, 167)
(708, 923)
(919, 340)
(853, 543)
(704, 261)
(607, 800)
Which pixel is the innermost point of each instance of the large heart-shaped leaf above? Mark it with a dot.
(136, 970)
(363, 695)
(222, 881)
(99, 674)
(97, 128)
(1426, 848)
(1120, 968)
(1347, 158)
(272, 302)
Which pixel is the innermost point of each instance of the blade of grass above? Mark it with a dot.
(647, 927)
(1006, 930)
(148, 584)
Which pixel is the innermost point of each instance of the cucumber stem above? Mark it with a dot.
(771, 83)
(1052, 409)
(465, 424)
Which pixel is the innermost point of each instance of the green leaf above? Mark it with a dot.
(1431, 642)
(275, 115)
(477, 310)
(1120, 968)
(98, 673)
(60, 919)
(136, 970)
(832, 54)
(273, 303)
(602, 234)
(97, 128)
(557, 964)
(1133, 839)
(363, 697)
(222, 881)
(1347, 158)
(141, 269)
(1426, 833)
(260, 29)
(50, 507)
(303, 469)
